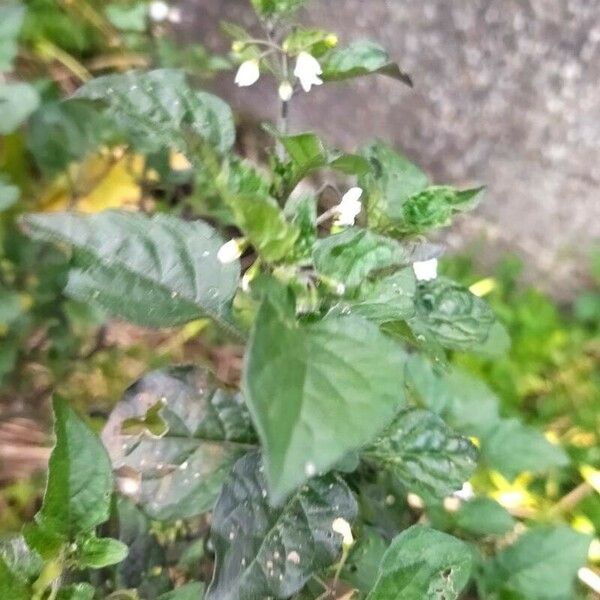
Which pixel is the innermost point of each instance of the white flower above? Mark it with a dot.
(229, 252)
(426, 270)
(158, 11)
(175, 15)
(286, 91)
(308, 70)
(248, 73)
(466, 493)
(349, 208)
(342, 527)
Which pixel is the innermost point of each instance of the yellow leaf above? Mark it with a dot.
(102, 181)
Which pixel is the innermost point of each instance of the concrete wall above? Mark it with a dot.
(507, 93)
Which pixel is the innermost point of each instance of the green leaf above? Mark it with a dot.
(139, 570)
(189, 591)
(128, 18)
(484, 516)
(425, 455)
(422, 563)
(333, 393)
(155, 271)
(77, 591)
(9, 193)
(265, 225)
(472, 408)
(426, 384)
(351, 256)
(542, 564)
(512, 447)
(263, 551)
(17, 102)
(314, 41)
(390, 298)
(97, 553)
(361, 58)
(157, 109)
(79, 487)
(391, 180)
(451, 315)
(19, 557)
(363, 563)
(12, 586)
(11, 20)
(62, 132)
(208, 428)
(433, 208)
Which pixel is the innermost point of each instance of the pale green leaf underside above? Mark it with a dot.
(155, 271)
(423, 564)
(17, 101)
(316, 391)
(208, 429)
(263, 551)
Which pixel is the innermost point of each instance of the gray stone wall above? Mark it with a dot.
(507, 93)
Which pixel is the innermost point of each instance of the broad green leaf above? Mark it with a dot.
(512, 447)
(179, 474)
(265, 225)
(391, 181)
(11, 19)
(62, 132)
(542, 564)
(390, 298)
(361, 58)
(77, 591)
(306, 150)
(351, 256)
(425, 455)
(423, 564)
(271, 552)
(79, 486)
(9, 193)
(189, 591)
(155, 271)
(17, 102)
(484, 516)
(497, 343)
(472, 408)
(301, 211)
(317, 390)
(433, 208)
(97, 553)
(157, 109)
(450, 315)
(11, 586)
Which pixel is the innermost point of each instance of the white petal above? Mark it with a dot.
(342, 527)
(229, 252)
(175, 15)
(426, 270)
(158, 11)
(349, 208)
(248, 73)
(308, 70)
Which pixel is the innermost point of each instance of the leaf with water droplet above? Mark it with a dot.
(263, 551)
(143, 269)
(208, 428)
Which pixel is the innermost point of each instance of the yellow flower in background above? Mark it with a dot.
(514, 496)
(591, 475)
